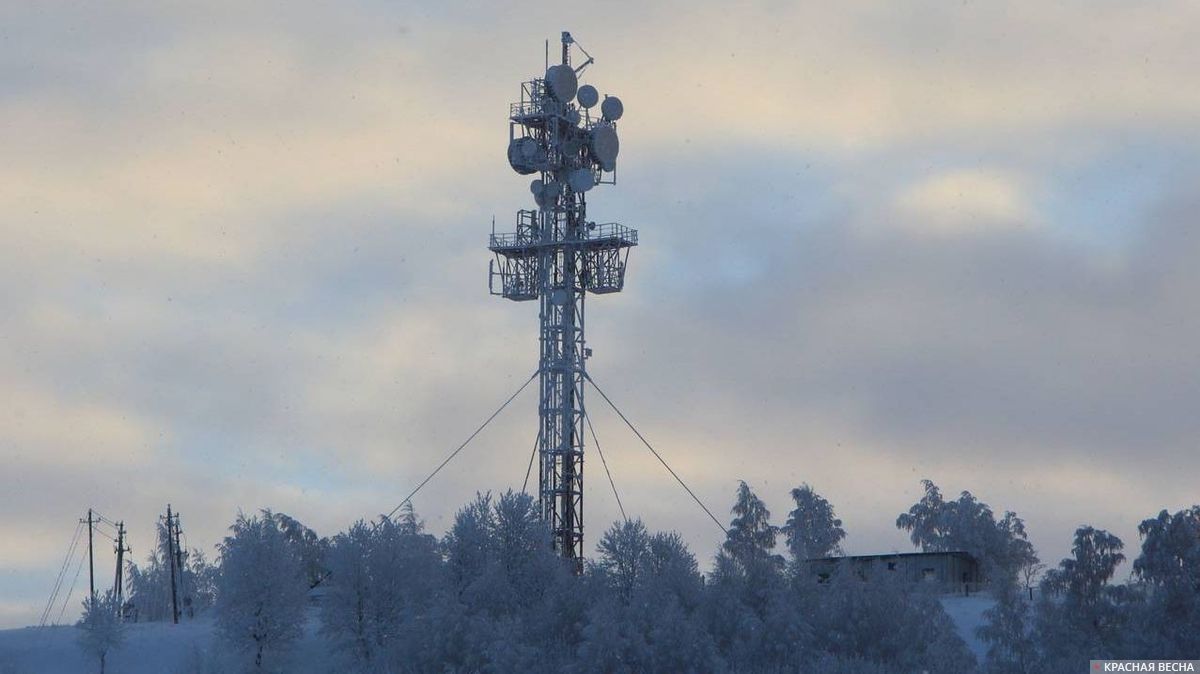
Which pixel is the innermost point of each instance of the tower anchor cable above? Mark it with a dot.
(656, 455)
(453, 454)
(587, 419)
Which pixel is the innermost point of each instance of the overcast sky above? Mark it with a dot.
(243, 263)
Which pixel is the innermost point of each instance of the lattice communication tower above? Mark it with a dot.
(556, 256)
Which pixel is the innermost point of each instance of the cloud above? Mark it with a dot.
(40, 428)
(964, 201)
(243, 262)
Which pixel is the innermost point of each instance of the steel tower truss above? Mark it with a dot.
(556, 256)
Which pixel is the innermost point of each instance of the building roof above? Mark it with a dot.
(894, 555)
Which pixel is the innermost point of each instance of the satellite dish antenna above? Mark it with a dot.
(561, 82)
(537, 188)
(525, 155)
(611, 108)
(588, 96)
(605, 145)
(581, 180)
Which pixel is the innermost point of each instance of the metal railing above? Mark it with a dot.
(608, 232)
(612, 230)
(512, 240)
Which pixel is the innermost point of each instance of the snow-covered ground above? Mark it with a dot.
(149, 648)
(967, 614)
(162, 648)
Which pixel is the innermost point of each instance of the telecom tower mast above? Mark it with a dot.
(556, 256)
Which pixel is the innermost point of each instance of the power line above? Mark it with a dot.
(529, 469)
(656, 454)
(112, 536)
(453, 454)
(63, 610)
(587, 419)
(102, 518)
(62, 572)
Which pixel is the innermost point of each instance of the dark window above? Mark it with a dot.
(928, 574)
(891, 566)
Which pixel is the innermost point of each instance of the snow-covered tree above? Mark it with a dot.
(101, 628)
(1030, 572)
(261, 592)
(1080, 615)
(468, 544)
(812, 530)
(623, 550)
(310, 547)
(1001, 546)
(643, 595)
(615, 636)
(753, 623)
(347, 617)
(672, 568)
(1083, 577)
(510, 603)
(1008, 632)
(750, 538)
(1169, 565)
(200, 581)
(887, 620)
(543, 607)
(383, 579)
(150, 584)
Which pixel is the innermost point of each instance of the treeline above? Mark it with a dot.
(149, 585)
(1083, 615)
(491, 595)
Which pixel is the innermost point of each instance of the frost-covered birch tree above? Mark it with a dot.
(966, 524)
(1169, 565)
(102, 629)
(812, 529)
(261, 592)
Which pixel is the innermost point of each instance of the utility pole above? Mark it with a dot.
(91, 558)
(119, 579)
(171, 562)
(179, 561)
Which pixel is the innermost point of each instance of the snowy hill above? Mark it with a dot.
(163, 648)
(967, 614)
(150, 648)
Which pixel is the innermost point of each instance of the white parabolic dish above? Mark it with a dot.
(581, 180)
(612, 108)
(524, 155)
(561, 81)
(605, 146)
(588, 96)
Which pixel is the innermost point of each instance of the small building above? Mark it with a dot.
(955, 570)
